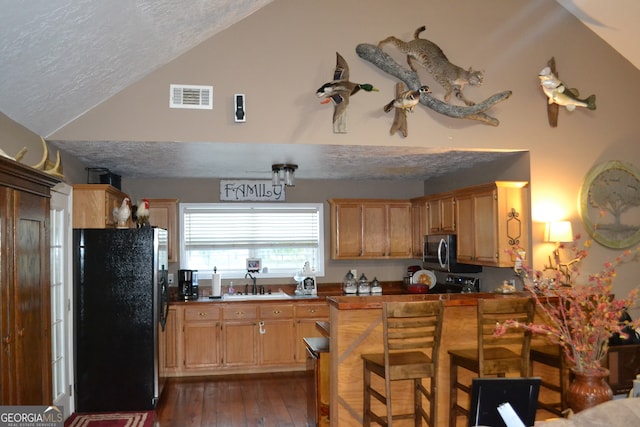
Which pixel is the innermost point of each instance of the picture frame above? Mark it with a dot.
(609, 204)
(254, 265)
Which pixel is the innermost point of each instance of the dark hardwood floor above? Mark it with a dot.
(269, 400)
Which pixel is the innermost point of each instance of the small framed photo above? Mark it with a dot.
(254, 265)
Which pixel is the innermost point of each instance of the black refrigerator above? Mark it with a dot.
(120, 305)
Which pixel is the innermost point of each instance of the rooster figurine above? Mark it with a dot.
(121, 214)
(142, 214)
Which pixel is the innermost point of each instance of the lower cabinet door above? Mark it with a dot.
(240, 339)
(201, 345)
(276, 339)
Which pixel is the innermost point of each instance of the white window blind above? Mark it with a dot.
(222, 235)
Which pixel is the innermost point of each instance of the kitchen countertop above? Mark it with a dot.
(348, 302)
(296, 299)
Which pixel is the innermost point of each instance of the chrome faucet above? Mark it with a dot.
(254, 286)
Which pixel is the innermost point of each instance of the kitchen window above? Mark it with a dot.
(224, 235)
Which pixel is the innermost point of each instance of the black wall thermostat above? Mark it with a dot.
(239, 108)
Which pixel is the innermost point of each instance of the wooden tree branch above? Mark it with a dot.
(387, 64)
(400, 118)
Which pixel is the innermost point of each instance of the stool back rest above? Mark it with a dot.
(497, 310)
(412, 326)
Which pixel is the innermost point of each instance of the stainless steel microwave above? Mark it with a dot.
(439, 253)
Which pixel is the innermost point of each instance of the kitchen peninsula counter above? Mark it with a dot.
(356, 328)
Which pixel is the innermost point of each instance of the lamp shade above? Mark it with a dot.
(558, 231)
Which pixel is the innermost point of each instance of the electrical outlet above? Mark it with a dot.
(170, 279)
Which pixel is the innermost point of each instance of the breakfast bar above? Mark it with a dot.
(356, 328)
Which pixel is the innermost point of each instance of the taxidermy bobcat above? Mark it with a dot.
(451, 77)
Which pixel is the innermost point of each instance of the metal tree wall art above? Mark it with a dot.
(610, 202)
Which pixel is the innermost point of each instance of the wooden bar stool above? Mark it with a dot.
(411, 333)
(552, 355)
(497, 356)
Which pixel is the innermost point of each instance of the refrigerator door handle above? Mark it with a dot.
(164, 301)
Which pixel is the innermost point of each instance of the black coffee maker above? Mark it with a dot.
(188, 284)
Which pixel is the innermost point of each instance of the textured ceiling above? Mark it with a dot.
(67, 56)
(203, 160)
(45, 46)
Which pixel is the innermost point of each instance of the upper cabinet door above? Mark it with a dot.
(346, 230)
(370, 229)
(399, 230)
(93, 205)
(163, 214)
(442, 215)
(491, 220)
(374, 230)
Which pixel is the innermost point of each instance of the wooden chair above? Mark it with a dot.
(411, 333)
(494, 356)
(553, 356)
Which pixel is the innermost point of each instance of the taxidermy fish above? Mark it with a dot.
(558, 93)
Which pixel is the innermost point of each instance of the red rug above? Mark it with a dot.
(112, 419)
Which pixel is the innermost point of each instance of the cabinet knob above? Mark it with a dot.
(202, 314)
(312, 310)
(239, 313)
(276, 312)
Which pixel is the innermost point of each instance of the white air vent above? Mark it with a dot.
(190, 96)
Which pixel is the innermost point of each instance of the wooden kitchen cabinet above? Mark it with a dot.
(167, 343)
(163, 213)
(419, 225)
(276, 333)
(240, 335)
(491, 220)
(201, 337)
(215, 338)
(93, 205)
(370, 229)
(25, 283)
(306, 317)
(441, 214)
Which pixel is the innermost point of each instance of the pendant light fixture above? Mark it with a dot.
(283, 173)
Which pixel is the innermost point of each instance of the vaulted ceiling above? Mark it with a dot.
(62, 58)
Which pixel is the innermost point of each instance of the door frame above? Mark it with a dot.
(62, 199)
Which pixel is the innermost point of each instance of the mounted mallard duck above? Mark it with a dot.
(339, 90)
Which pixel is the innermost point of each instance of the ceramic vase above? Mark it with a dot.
(587, 390)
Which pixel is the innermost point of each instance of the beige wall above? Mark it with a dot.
(279, 55)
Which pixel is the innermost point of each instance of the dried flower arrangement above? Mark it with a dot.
(579, 317)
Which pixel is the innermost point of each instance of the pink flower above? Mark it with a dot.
(580, 318)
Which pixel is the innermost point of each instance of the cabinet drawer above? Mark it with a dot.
(273, 311)
(201, 314)
(239, 311)
(312, 311)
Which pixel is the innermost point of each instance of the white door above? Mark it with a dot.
(61, 298)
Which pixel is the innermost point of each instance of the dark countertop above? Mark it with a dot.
(294, 299)
(450, 300)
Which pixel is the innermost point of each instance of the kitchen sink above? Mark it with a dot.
(258, 297)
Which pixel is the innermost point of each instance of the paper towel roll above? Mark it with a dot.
(215, 284)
